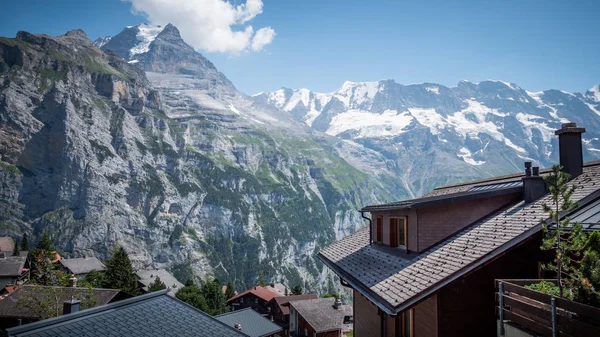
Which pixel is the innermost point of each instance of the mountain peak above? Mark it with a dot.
(594, 93)
(77, 33)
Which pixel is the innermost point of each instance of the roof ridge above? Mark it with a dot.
(506, 176)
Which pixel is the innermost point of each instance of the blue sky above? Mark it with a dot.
(320, 44)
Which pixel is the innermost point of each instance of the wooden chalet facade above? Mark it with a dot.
(280, 309)
(258, 298)
(426, 267)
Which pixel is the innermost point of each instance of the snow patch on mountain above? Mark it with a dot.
(356, 93)
(467, 156)
(594, 93)
(368, 124)
(146, 34)
(429, 118)
(531, 122)
(435, 90)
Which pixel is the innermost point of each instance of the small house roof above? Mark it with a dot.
(82, 265)
(252, 323)
(257, 291)
(395, 284)
(321, 314)
(7, 244)
(282, 302)
(277, 288)
(12, 265)
(149, 315)
(15, 305)
(147, 277)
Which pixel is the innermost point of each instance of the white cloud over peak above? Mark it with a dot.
(263, 37)
(210, 25)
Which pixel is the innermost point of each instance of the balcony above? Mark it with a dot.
(523, 312)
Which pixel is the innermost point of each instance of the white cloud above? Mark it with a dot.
(210, 25)
(263, 37)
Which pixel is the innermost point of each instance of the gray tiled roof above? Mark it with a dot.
(7, 244)
(253, 324)
(147, 277)
(321, 314)
(396, 284)
(16, 304)
(283, 301)
(12, 265)
(82, 265)
(153, 314)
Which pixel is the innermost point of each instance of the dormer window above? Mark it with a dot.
(398, 232)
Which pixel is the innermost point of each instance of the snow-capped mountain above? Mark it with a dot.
(473, 129)
(101, 41)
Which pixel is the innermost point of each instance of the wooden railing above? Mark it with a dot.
(544, 314)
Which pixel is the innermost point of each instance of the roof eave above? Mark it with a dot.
(450, 198)
(356, 285)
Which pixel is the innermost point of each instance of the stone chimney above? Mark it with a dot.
(71, 306)
(534, 186)
(337, 304)
(570, 148)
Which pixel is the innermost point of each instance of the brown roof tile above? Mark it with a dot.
(397, 282)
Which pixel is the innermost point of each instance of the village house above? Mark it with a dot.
(250, 323)
(426, 267)
(81, 266)
(321, 317)
(147, 277)
(256, 298)
(12, 269)
(280, 309)
(30, 303)
(7, 245)
(149, 315)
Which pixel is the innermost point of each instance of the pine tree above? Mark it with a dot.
(193, 296)
(45, 243)
(564, 239)
(229, 292)
(215, 299)
(16, 250)
(297, 290)
(119, 272)
(156, 285)
(261, 279)
(24, 243)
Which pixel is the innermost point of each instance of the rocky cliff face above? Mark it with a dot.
(469, 131)
(177, 166)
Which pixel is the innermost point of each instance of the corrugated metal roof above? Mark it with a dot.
(253, 324)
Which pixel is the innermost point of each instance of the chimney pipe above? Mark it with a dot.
(534, 186)
(528, 169)
(238, 326)
(337, 303)
(71, 306)
(570, 148)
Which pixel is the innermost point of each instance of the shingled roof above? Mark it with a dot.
(22, 303)
(82, 265)
(149, 315)
(321, 314)
(395, 283)
(12, 265)
(147, 277)
(257, 291)
(283, 301)
(252, 323)
(7, 244)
